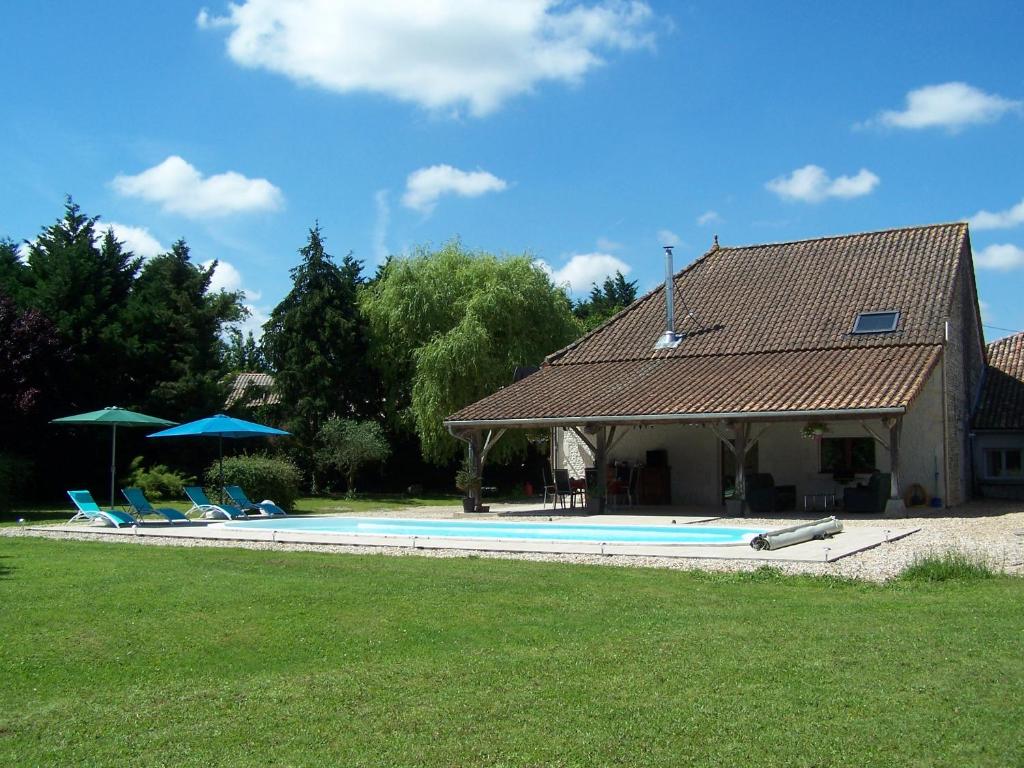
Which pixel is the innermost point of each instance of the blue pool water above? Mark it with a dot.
(496, 530)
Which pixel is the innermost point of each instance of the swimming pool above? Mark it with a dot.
(694, 535)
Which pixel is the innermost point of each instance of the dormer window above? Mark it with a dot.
(876, 322)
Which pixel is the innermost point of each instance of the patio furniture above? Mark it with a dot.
(141, 506)
(871, 497)
(764, 496)
(549, 485)
(563, 487)
(90, 510)
(265, 508)
(202, 504)
(823, 501)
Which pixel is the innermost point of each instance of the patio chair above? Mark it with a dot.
(202, 504)
(140, 506)
(549, 486)
(88, 509)
(265, 508)
(563, 487)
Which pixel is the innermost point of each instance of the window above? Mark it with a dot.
(1003, 464)
(847, 456)
(876, 322)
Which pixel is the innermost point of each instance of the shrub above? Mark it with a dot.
(947, 566)
(158, 482)
(13, 473)
(260, 476)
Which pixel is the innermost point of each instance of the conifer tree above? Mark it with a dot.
(315, 343)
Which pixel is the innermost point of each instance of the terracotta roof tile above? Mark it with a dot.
(252, 390)
(836, 379)
(1002, 396)
(788, 296)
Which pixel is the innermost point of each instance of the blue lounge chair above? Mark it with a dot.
(88, 509)
(266, 508)
(141, 506)
(202, 504)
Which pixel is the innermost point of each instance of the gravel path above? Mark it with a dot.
(989, 530)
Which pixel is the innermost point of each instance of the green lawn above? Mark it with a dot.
(123, 655)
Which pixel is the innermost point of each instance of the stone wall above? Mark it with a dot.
(962, 367)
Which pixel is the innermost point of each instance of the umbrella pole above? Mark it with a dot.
(220, 450)
(113, 465)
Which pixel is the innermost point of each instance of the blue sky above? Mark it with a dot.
(587, 134)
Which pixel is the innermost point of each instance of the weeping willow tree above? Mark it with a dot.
(451, 326)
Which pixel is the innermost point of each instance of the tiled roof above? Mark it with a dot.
(766, 328)
(874, 378)
(787, 296)
(1002, 397)
(252, 390)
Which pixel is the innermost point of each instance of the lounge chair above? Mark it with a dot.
(266, 508)
(88, 509)
(202, 504)
(141, 506)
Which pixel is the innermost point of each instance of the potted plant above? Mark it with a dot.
(468, 480)
(814, 429)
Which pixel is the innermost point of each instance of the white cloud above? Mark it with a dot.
(440, 55)
(226, 277)
(138, 240)
(205, 21)
(708, 217)
(380, 226)
(604, 244)
(585, 269)
(1011, 217)
(811, 184)
(426, 186)
(1002, 257)
(949, 105)
(180, 188)
(668, 237)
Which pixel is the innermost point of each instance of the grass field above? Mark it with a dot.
(124, 655)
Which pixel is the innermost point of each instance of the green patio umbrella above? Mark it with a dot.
(114, 417)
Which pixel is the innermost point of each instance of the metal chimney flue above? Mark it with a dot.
(669, 339)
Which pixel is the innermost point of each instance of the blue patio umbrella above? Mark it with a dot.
(220, 426)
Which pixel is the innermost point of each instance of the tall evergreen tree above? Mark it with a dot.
(614, 295)
(176, 324)
(243, 354)
(315, 342)
(83, 289)
(13, 272)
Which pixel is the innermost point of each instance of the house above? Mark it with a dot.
(252, 390)
(999, 421)
(816, 362)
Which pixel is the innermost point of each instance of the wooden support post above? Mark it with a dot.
(601, 464)
(476, 463)
(740, 453)
(895, 507)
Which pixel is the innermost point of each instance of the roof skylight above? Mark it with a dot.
(876, 322)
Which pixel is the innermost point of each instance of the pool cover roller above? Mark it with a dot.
(797, 534)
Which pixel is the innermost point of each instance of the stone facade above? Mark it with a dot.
(963, 365)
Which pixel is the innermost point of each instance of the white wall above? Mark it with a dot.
(693, 458)
(694, 452)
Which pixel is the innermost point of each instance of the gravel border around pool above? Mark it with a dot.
(989, 530)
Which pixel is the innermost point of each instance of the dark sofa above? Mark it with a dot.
(763, 495)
